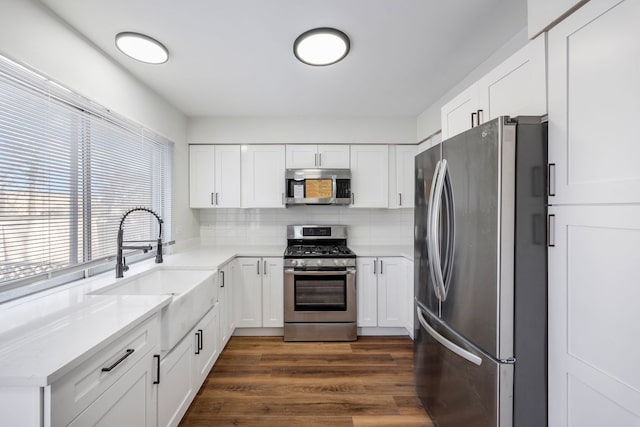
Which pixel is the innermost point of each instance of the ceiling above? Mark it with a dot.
(235, 57)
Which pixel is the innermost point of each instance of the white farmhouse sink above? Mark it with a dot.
(193, 292)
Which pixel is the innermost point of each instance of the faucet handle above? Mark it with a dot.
(125, 267)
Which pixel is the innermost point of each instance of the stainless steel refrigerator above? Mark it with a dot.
(480, 276)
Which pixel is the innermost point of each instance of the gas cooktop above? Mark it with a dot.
(318, 251)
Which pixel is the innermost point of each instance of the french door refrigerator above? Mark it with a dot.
(480, 276)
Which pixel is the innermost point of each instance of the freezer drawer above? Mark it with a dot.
(471, 389)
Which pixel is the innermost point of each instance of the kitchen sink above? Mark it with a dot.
(192, 291)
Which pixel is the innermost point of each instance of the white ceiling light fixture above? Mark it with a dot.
(321, 46)
(142, 48)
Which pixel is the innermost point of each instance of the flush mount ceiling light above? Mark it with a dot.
(142, 48)
(321, 46)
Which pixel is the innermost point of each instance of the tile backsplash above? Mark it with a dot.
(223, 227)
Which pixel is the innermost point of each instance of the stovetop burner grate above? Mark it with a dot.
(318, 251)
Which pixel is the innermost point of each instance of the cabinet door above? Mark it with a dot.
(403, 195)
(225, 281)
(272, 293)
(302, 156)
(227, 176)
(370, 176)
(409, 297)
(201, 176)
(593, 104)
(130, 401)
(208, 350)
(366, 283)
(177, 383)
(247, 293)
(458, 114)
(263, 176)
(333, 156)
(594, 349)
(518, 86)
(391, 291)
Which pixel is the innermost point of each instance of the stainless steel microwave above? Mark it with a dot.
(318, 186)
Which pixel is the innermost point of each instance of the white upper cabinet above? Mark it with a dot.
(317, 156)
(401, 186)
(460, 113)
(263, 169)
(594, 150)
(302, 156)
(515, 87)
(541, 14)
(214, 176)
(370, 176)
(333, 156)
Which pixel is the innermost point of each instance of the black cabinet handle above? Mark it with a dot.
(222, 273)
(157, 357)
(473, 119)
(198, 341)
(201, 339)
(479, 113)
(119, 361)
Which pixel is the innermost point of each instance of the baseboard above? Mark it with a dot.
(258, 332)
(382, 331)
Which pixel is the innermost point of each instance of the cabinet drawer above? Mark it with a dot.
(77, 390)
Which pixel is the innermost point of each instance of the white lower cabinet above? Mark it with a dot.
(382, 289)
(225, 299)
(115, 384)
(186, 366)
(177, 385)
(258, 292)
(129, 401)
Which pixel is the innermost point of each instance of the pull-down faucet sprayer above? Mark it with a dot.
(121, 264)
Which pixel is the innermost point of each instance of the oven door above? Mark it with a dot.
(319, 296)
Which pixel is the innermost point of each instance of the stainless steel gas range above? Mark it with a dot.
(319, 284)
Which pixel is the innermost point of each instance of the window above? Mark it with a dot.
(69, 169)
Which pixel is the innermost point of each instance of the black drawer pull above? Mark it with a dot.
(119, 361)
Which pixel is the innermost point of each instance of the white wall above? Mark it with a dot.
(269, 226)
(428, 122)
(33, 36)
(301, 130)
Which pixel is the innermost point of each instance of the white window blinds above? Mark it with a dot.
(69, 169)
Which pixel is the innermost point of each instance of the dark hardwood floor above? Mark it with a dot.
(263, 381)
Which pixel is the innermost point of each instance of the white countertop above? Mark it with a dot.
(45, 335)
(383, 250)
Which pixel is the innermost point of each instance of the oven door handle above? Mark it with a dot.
(320, 273)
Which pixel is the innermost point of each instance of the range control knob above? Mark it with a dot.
(336, 261)
(300, 263)
(294, 262)
(344, 262)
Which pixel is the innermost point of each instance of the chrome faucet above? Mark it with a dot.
(121, 264)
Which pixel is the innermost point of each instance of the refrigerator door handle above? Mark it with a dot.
(434, 240)
(450, 230)
(430, 231)
(445, 342)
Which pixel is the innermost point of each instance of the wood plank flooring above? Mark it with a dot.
(263, 381)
